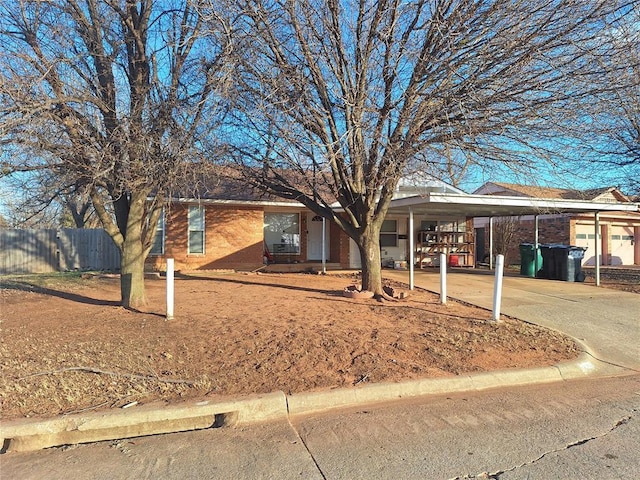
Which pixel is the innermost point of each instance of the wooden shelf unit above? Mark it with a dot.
(458, 246)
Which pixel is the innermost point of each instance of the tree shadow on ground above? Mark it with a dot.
(74, 297)
(265, 284)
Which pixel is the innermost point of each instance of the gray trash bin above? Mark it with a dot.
(574, 264)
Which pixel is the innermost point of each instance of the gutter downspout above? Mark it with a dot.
(324, 246)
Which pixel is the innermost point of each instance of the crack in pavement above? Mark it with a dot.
(304, 444)
(496, 475)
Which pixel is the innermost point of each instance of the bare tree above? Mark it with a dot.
(43, 199)
(337, 98)
(610, 133)
(115, 97)
(505, 238)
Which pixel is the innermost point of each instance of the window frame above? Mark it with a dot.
(391, 234)
(191, 229)
(160, 230)
(293, 248)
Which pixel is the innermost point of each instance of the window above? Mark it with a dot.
(428, 226)
(157, 247)
(196, 230)
(581, 236)
(282, 232)
(389, 233)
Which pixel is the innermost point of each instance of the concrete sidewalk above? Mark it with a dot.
(605, 322)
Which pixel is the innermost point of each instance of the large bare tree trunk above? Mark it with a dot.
(369, 246)
(133, 255)
(132, 275)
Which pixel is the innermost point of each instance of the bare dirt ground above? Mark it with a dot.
(66, 346)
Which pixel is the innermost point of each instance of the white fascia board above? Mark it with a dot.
(247, 203)
(532, 204)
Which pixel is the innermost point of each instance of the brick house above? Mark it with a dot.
(228, 226)
(620, 231)
(217, 231)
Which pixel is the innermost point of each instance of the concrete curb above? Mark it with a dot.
(315, 402)
(34, 434)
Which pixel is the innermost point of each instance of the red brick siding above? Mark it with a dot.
(550, 230)
(339, 245)
(233, 239)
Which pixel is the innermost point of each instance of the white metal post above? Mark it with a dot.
(497, 289)
(411, 251)
(536, 246)
(170, 288)
(324, 245)
(490, 243)
(598, 247)
(443, 278)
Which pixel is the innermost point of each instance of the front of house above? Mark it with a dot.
(235, 230)
(209, 234)
(243, 233)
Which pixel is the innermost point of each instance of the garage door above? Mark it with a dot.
(621, 245)
(586, 238)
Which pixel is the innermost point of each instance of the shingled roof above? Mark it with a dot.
(230, 183)
(605, 194)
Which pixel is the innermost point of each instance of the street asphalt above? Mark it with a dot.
(606, 323)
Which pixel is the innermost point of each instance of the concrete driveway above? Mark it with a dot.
(606, 320)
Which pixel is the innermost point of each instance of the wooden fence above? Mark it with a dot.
(61, 250)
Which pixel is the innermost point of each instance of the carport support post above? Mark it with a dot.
(490, 243)
(170, 288)
(411, 251)
(324, 245)
(597, 246)
(443, 278)
(497, 289)
(536, 239)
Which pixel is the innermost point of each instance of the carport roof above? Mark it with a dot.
(452, 205)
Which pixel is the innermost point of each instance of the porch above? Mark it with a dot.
(298, 267)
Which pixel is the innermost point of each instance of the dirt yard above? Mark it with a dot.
(66, 345)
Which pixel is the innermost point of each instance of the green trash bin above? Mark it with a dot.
(528, 255)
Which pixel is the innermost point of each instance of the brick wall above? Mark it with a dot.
(550, 230)
(339, 246)
(233, 239)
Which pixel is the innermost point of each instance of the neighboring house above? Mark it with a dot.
(620, 231)
(227, 226)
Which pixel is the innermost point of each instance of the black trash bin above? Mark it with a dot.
(548, 262)
(574, 263)
(563, 271)
(530, 260)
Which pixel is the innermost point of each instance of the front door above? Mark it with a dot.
(314, 238)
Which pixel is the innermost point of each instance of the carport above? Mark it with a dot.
(472, 206)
